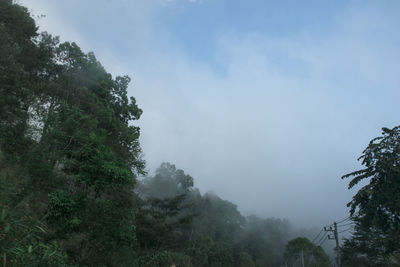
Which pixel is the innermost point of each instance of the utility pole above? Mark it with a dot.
(302, 258)
(337, 244)
(336, 237)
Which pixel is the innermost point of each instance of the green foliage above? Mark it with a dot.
(163, 214)
(218, 218)
(162, 258)
(264, 239)
(302, 247)
(69, 151)
(17, 65)
(375, 208)
(245, 260)
(95, 166)
(64, 210)
(22, 240)
(38, 254)
(204, 251)
(168, 182)
(210, 231)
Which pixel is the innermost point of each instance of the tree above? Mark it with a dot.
(375, 208)
(301, 248)
(245, 260)
(168, 182)
(163, 216)
(264, 239)
(69, 152)
(19, 64)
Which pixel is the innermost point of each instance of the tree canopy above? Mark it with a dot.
(302, 250)
(375, 209)
(70, 154)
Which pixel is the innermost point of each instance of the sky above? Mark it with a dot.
(265, 103)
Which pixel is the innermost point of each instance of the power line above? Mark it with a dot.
(350, 228)
(322, 241)
(315, 238)
(334, 229)
(323, 236)
(352, 223)
(343, 220)
(326, 238)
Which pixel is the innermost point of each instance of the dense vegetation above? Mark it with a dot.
(204, 230)
(69, 155)
(70, 187)
(375, 209)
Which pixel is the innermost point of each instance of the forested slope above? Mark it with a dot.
(70, 159)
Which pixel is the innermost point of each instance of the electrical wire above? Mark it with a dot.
(347, 224)
(343, 220)
(315, 238)
(350, 228)
(320, 243)
(323, 236)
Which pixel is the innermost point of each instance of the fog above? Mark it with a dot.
(266, 110)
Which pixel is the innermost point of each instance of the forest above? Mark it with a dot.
(74, 190)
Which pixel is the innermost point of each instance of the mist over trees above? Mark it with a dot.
(205, 230)
(74, 191)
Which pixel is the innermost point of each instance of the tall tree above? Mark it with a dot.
(69, 152)
(301, 250)
(375, 208)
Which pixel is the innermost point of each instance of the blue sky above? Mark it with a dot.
(197, 26)
(266, 103)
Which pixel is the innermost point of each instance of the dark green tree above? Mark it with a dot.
(300, 249)
(264, 239)
(164, 216)
(245, 260)
(69, 152)
(166, 183)
(218, 218)
(375, 208)
(19, 64)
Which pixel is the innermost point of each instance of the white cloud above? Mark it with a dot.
(270, 132)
